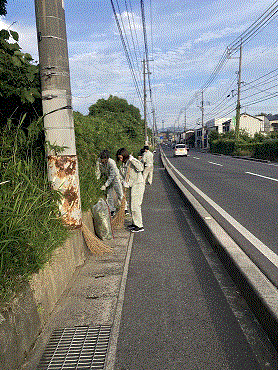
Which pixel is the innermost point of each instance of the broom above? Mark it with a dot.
(118, 220)
(95, 245)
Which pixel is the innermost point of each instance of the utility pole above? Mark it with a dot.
(184, 119)
(57, 109)
(154, 127)
(202, 110)
(145, 102)
(238, 95)
(185, 125)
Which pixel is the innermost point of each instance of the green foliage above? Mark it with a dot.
(223, 146)
(19, 80)
(267, 150)
(260, 146)
(30, 226)
(213, 135)
(113, 124)
(114, 106)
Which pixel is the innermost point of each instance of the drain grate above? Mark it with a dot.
(81, 348)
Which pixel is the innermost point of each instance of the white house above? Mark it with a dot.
(250, 124)
(216, 124)
(265, 125)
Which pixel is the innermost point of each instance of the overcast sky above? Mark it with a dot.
(186, 40)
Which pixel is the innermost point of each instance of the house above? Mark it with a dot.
(215, 124)
(265, 125)
(273, 120)
(250, 124)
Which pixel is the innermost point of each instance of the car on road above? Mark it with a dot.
(180, 149)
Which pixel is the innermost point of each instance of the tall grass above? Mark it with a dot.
(30, 224)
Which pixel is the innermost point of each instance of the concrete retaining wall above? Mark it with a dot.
(22, 321)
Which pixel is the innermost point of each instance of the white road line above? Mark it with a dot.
(216, 164)
(195, 157)
(265, 177)
(267, 252)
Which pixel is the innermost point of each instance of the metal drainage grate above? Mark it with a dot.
(81, 347)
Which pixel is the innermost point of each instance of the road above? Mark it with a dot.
(246, 193)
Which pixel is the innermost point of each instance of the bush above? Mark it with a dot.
(221, 146)
(243, 148)
(266, 150)
(109, 129)
(30, 226)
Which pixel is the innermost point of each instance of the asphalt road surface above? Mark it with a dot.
(247, 191)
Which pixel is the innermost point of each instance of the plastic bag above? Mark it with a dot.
(102, 221)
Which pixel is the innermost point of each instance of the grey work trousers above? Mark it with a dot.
(148, 174)
(136, 199)
(115, 187)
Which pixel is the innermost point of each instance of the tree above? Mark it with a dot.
(116, 106)
(3, 4)
(19, 80)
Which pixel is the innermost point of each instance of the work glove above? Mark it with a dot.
(103, 188)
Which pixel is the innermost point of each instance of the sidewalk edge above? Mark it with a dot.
(111, 353)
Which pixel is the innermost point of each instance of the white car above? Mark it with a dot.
(180, 149)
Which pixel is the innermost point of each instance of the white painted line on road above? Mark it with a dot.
(265, 177)
(267, 252)
(195, 157)
(216, 164)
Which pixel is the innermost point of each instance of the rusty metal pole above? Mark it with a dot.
(57, 109)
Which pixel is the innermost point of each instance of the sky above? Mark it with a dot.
(185, 40)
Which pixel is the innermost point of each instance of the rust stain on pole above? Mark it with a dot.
(63, 175)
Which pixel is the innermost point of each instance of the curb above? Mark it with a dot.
(261, 294)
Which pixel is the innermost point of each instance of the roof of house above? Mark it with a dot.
(272, 117)
(246, 114)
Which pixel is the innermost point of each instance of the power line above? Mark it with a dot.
(251, 31)
(126, 53)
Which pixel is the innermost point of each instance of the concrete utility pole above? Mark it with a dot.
(57, 110)
(238, 95)
(185, 119)
(145, 102)
(202, 110)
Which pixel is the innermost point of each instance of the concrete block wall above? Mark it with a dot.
(24, 318)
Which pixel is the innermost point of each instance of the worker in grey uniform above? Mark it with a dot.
(147, 160)
(107, 166)
(132, 174)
